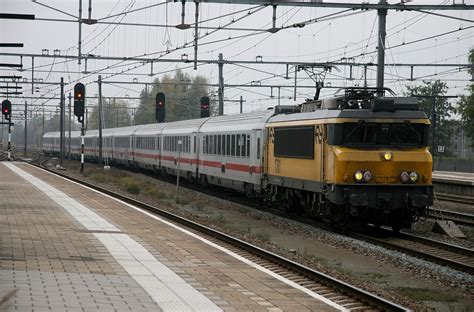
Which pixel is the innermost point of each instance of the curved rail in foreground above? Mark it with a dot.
(361, 295)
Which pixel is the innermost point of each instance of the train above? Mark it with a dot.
(354, 158)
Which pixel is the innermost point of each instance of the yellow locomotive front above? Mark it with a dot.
(380, 168)
(352, 158)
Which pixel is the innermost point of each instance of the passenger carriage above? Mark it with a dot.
(147, 148)
(48, 142)
(186, 133)
(91, 147)
(231, 150)
(123, 145)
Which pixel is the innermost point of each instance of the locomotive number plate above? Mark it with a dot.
(384, 179)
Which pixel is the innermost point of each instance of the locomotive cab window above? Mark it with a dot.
(378, 134)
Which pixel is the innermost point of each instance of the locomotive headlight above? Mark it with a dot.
(413, 177)
(367, 176)
(387, 156)
(358, 176)
(404, 177)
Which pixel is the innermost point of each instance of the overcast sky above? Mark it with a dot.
(412, 37)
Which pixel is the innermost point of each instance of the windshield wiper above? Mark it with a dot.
(359, 123)
(408, 122)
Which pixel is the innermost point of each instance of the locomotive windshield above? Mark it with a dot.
(384, 134)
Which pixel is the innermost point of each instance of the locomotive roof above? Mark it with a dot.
(348, 113)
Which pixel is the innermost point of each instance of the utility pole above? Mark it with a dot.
(241, 104)
(3, 140)
(42, 128)
(433, 128)
(61, 118)
(100, 120)
(220, 91)
(196, 35)
(382, 14)
(70, 124)
(26, 127)
(79, 41)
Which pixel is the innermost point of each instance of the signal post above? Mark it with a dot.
(7, 112)
(79, 98)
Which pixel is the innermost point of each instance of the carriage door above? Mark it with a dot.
(259, 149)
(195, 154)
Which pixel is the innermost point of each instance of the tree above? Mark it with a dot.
(183, 94)
(466, 104)
(430, 93)
(115, 114)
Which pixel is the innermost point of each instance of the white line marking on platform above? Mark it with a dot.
(165, 287)
(229, 252)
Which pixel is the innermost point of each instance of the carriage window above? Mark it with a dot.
(232, 145)
(258, 148)
(244, 145)
(224, 145)
(248, 145)
(239, 145)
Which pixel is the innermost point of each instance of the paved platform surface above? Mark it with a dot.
(64, 247)
(449, 176)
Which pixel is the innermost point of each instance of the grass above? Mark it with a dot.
(375, 275)
(98, 177)
(154, 192)
(420, 294)
(199, 205)
(263, 236)
(130, 185)
(220, 219)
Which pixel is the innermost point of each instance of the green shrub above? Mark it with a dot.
(153, 192)
(130, 185)
(133, 188)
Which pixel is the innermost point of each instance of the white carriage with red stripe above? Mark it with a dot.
(231, 149)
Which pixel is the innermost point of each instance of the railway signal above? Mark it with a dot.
(160, 107)
(7, 109)
(79, 99)
(205, 103)
(7, 112)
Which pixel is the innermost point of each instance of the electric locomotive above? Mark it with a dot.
(353, 157)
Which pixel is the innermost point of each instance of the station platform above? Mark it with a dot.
(465, 178)
(454, 183)
(65, 247)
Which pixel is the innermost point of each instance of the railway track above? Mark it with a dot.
(456, 257)
(455, 198)
(458, 217)
(438, 252)
(346, 295)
